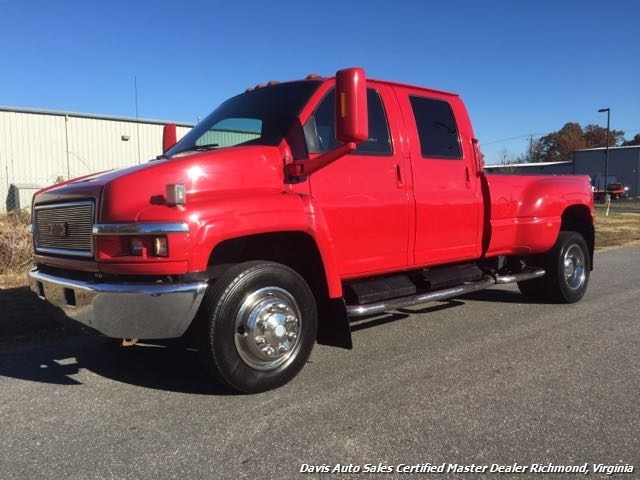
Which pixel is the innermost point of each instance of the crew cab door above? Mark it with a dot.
(362, 196)
(448, 199)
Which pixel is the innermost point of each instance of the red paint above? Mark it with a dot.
(169, 136)
(367, 214)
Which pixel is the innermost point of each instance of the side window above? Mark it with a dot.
(436, 128)
(319, 130)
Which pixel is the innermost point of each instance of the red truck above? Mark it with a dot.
(295, 207)
(615, 190)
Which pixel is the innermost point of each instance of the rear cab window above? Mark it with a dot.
(437, 129)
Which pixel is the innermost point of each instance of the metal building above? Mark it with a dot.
(624, 165)
(39, 148)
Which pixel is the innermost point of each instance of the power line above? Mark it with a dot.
(526, 135)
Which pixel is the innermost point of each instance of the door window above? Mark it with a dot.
(436, 128)
(320, 134)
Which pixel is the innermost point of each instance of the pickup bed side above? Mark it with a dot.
(526, 212)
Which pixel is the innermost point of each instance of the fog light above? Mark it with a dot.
(160, 246)
(136, 246)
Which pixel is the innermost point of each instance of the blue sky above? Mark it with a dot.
(522, 67)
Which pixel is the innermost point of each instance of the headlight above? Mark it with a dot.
(160, 246)
(148, 246)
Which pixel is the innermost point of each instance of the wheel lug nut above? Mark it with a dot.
(260, 340)
(282, 349)
(292, 336)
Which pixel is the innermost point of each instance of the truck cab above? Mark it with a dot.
(295, 207)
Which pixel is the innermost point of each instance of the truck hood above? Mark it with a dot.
(122, 195)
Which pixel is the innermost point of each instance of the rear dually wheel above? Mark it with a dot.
(567, 267)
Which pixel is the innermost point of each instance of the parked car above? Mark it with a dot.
(617, 190)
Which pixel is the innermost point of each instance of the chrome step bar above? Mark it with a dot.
(529, 273)
(403, 302)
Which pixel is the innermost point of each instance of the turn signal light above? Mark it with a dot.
(174, 194)
(136, 246)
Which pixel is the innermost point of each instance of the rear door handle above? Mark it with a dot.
(399, 182)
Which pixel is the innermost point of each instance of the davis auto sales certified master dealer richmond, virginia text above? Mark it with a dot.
(534, 468)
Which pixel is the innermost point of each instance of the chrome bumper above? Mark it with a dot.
(123, 310)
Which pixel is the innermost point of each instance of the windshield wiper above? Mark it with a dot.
(199, 148)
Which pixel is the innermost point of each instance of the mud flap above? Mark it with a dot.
(333, 324)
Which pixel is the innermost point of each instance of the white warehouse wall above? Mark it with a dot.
(38, 148)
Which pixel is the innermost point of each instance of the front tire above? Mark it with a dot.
(260, 323)
(567, 267)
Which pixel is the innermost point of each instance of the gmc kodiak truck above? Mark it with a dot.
(295, 207)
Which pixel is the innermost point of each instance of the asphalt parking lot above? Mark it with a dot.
(486, 379)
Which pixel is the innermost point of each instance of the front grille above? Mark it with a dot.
(64, 228)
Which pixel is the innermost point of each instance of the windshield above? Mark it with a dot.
(259, 117)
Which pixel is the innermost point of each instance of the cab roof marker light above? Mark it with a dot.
(174, 194)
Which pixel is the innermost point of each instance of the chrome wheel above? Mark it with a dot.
(567, 266)
(259, 323)
(268, 329)
(574, 267)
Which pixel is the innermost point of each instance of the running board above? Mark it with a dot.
(486, 282)
(529, 273)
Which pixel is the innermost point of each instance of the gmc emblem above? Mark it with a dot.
(57, 229)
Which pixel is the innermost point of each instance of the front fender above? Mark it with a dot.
(240, 216)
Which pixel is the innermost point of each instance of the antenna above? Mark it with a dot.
(135, 86)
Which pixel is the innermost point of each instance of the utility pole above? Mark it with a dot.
(135, 86)
(606, 196)
(531, 148)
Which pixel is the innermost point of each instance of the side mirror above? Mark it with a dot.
(351, 106)
(352, 123)
(169, 137)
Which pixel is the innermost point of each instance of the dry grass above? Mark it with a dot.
(15, 247)
(617, 229)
